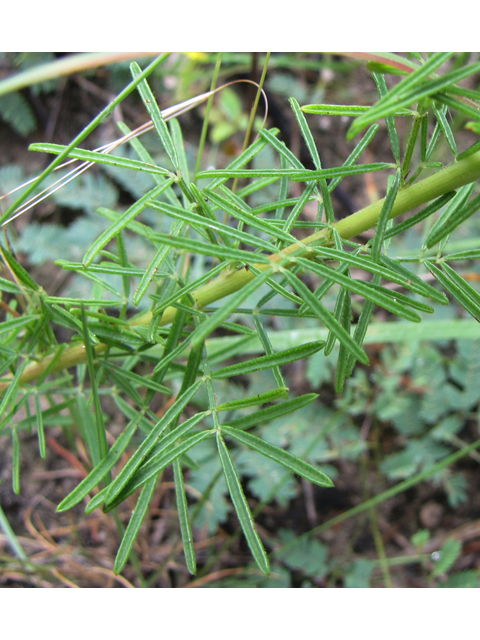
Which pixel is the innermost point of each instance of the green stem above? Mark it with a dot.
(449, 179)
(203, 135)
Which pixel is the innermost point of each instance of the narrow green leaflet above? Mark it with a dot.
(273, 360)
(40, 429)
(134, 525)
(267, 345)
(270, 413)
(195, 219)
(445, 127)
(102, 158)
(251, 401)
(306, 133)
(17, 323)
(183, 517)
(97, 500)
(383, 298)
(171, 438)
(99, 450)
(147, 472)
(282, 149)
(379, 79)
(457, 218)
(144, 155)
(242, 508)
(297, 175)
(15, 462)
(216, 319)
(381, 227)
(227, 204)
(151, 271)
(207, 249)
(150, 441)
(156, 116)
(421, 215)
(457, 288)
(123, 221)
(410, 281)
(99, 472)
(12, 388)
(21, 273)
(430, 292)
(104, 267)
(285, 458)
(243, 159)
(9, 287)
(458, 202)
(326, 317)
(409, 90)
(345, 110)
(338, 314)
(459, 105)
(180, 293)
(471, 254)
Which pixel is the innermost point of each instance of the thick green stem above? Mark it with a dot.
(451, 178)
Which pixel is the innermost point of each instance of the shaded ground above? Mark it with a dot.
(71, 549)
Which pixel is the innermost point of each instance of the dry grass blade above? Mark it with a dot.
(167, 114)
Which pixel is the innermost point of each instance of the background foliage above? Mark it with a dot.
(389, 431)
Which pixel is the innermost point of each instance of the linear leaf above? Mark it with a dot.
(102, 158)
(267, 345)
(270, 413)
(273, 360)
(17, 323)
(218, 251)
(261, 398)
(445, 127)
(246, 216)
(99, 472)
(297, 175)
(15, 462)
(134, 525)
(459, 105)
(40, 429)
(345, 110)
(458, 289)
(410, 282)
(457, 218)
(243, 159)
(285, 458)
(387, 206)
(282, 149)
(193, 218)
(183, 517)
(137, 458)
(379, 79)
(422, 90)
(123, 221)
(421, 215)
(430, 292)
(242, 508)
(216, 319)
(148, 471)
(306, 133)
(156, 116)
(327, 318)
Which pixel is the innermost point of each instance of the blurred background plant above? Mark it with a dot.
(390, 520)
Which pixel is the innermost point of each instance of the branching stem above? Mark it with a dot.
(449, 179)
